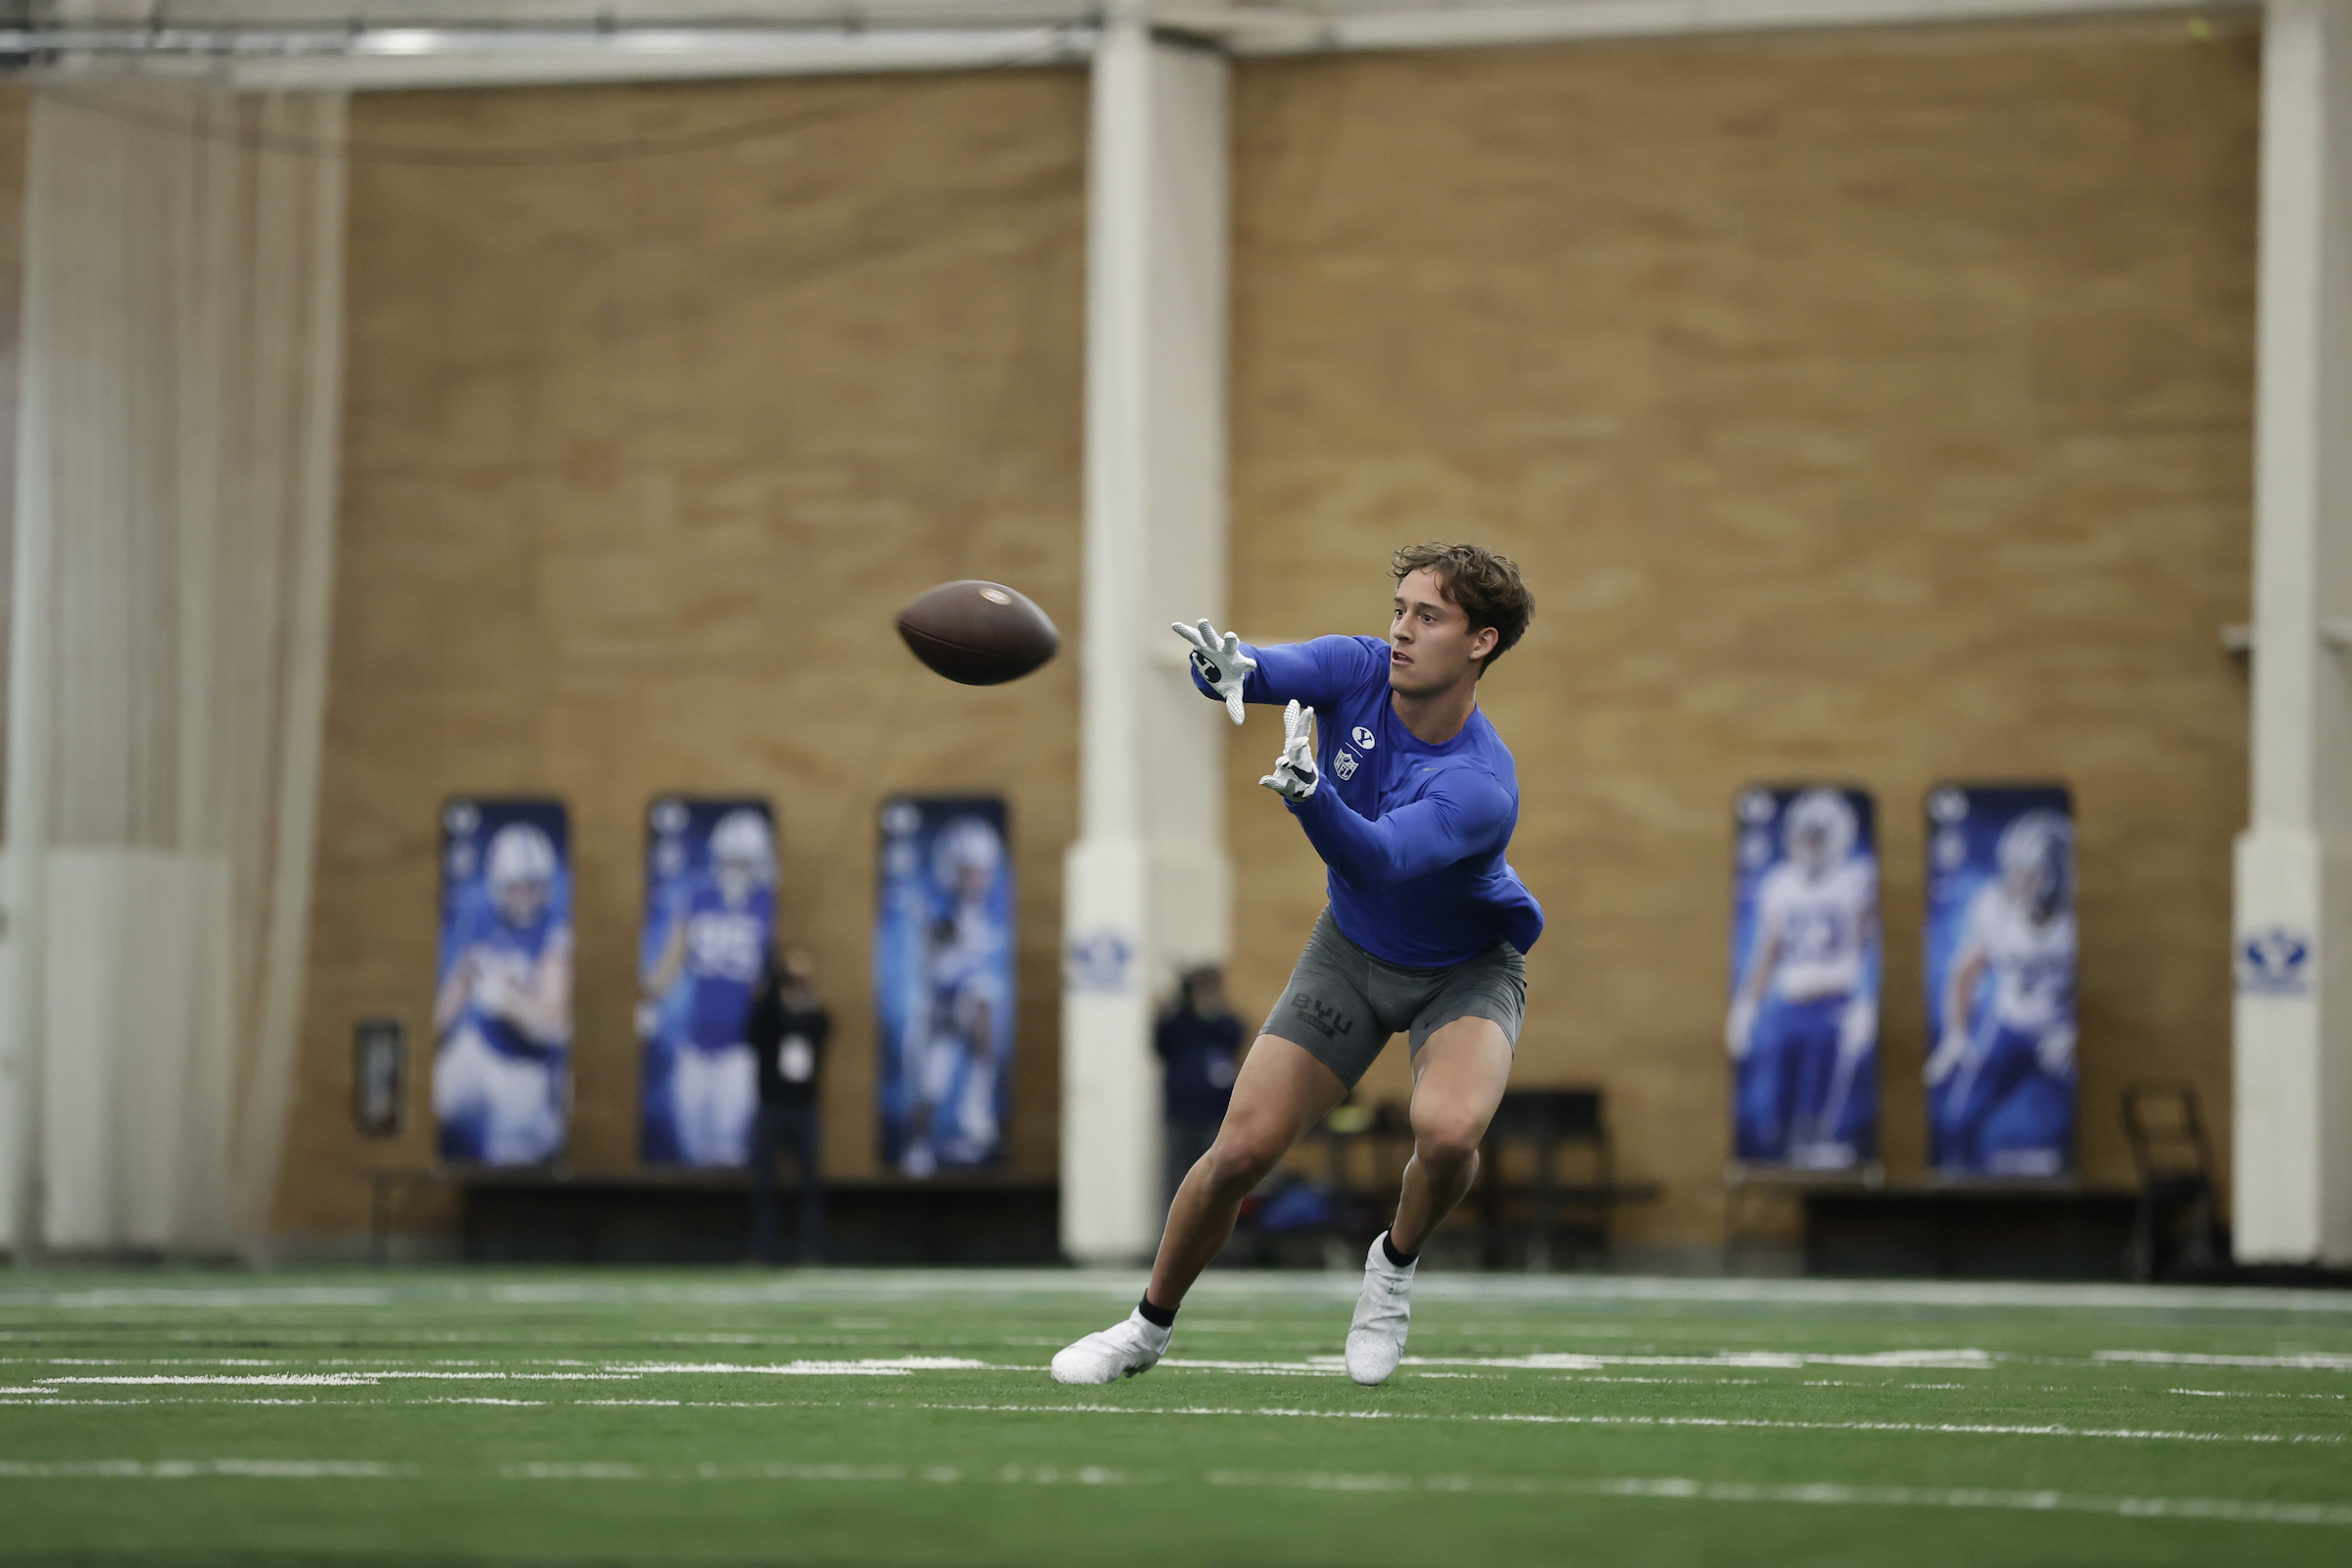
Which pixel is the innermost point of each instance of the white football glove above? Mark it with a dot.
(2055, 1050)
(1739, 1027)
(1858, 1027)
(1294, 774)
(1221, 662)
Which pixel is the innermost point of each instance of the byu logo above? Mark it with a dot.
(1098, 962)
(1322, 1015)
(1362, 737)
(1345, 764)
(2274, 962)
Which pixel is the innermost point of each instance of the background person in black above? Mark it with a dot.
(1199, 1043)
(787, 1030)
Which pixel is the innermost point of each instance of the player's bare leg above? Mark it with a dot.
(1457, 1082)
(1280, 1093)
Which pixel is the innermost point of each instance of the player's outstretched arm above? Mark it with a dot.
(1220, 665)
(1958, 992)
(672, 959)
(1464, 814)
(1313, 672)
(1296, 775)
(1748, 998)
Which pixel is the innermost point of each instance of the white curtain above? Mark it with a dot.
(181, 379)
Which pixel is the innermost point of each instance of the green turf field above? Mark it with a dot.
(851, 1417)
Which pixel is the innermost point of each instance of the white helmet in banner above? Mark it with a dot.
(743, 853)
(1819, 828)
(966, 854)
(2037, 861)
(519, 868)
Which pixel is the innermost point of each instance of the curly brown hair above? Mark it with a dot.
(1484, 584)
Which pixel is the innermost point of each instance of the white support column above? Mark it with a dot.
(1148, 886)
(2292, 1196)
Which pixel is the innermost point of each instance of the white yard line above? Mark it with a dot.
(1679, 1489)
(1954, 1360)
(197, 1469)
(1669, 1489)
(2309, 1361)
(1737, 1423)
(891, 1365)
(368, 1377)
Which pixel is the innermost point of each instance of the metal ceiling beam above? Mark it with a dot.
(291, 53)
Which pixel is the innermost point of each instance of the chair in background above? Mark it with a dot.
(1521, 1195)
(2180, 1234)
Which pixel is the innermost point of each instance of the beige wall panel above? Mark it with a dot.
(1871, 406)
(641, 452)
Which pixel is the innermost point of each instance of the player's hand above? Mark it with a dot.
(1739, 1028)
(1294, 774)
(1858, 1027)
(1219, 658)
(1945, 1056)
(2055, 1050)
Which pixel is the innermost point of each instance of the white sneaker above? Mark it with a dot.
(1120, 1351)
(1383, 1312)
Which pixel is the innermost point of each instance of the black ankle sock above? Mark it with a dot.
(1157, 1316)
(1396, 1258)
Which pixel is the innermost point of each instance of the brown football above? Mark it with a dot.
(978, 633)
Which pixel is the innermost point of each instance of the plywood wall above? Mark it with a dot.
(1867, 406)
(1871, 406)
(660, 401)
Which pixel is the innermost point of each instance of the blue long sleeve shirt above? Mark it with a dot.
(1412, 834)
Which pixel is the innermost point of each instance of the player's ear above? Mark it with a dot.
(1483, 641)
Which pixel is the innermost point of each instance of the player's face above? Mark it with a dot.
(736, 879)
(521, 902)
(1431, 646)
(2024, 884)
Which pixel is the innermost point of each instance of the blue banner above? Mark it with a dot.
(943, 984)
(502, 1007)
(710, 923)
(1803, 1025)
(2000, 980)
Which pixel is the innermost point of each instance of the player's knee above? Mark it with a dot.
(1240, 1159)
(1446, 1139)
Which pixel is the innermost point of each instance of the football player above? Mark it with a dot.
(717, 947)
(1410, 797)
(955, 1070)
(1803, 1024)
(2003, 1082)
(503, 1014)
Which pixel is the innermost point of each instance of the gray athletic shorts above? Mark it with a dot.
(1343, 1004)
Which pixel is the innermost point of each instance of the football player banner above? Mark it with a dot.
(710, 923)
(1803, 1025)
(2000, 980)
(943, 984)
(502, 1006)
